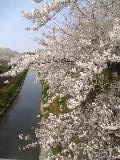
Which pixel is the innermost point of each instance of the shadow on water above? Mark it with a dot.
(17, 127)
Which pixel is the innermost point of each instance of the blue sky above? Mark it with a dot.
(12, 25)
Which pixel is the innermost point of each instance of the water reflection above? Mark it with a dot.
(17, 127)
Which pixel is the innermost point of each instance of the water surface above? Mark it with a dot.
(21, 119)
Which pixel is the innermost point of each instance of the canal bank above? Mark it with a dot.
(9, 91)
(17, 128)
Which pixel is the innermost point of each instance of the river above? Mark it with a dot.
(20, 119)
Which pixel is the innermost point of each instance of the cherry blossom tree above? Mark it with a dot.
(73, 54)
(40, 16)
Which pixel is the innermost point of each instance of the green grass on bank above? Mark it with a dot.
(57, 107)
(101, 84)
(4, 68)
(10, 91)
(45, 88)
(56, 150)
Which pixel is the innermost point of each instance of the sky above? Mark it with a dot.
(12, 25)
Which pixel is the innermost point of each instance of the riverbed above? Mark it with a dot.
(18, 124)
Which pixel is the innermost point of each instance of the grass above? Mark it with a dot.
(56, 150)
(57, 107)
(10, 91)
(4, 68)
(45, 88)
(102, 84)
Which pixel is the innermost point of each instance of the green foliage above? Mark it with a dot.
(63, 100)
(10, 91)
(30, 53)
(56, 150)
(45, 88)
(4, 68)
(45, 115)
(57, 107)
